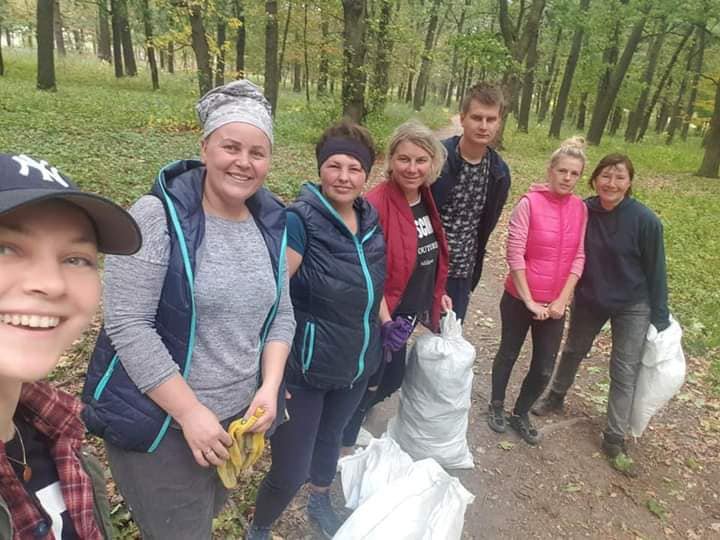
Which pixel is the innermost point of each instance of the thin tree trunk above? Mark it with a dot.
(566, 84)
(201, 49)
(653, 54)
(426, 61)
(661, 84)
(126, 37)
(409, 86)
(676, 113)
(582, 111)
(697, 70)
(147, 22)
(532, 29)
(117, 37)
(220, 59)
(104, 50)
(240, 40)
(455, 76)
(324, 65)
(272, 81)
(58, 24)
(615, 121)
(381, 75)
(546, 90)
(45, 38)
(2, 63)
(711, 158)
(306, 56)
(599, 120)
(171, 57)
(663, 115)
(284, 41)
(354, 48)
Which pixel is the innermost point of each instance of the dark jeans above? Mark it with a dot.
(388, 380)
(629, 327)
(305, 447)
(459, 290)
(546, 337)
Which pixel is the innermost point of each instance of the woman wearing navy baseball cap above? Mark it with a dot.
(50, 235)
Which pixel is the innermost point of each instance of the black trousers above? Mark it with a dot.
(546, 338)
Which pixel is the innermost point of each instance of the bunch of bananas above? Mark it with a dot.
(246, 449)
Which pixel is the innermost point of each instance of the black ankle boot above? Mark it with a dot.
(551, 403)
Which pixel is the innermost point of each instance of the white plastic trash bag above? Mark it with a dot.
(370, 470)
(661, 375)
(432, 417)
(426, 503)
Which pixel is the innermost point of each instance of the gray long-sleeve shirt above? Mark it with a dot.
(234, 291)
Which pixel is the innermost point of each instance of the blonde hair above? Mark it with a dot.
(573, 147)
(419, 135)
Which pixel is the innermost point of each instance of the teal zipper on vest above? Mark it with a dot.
(308, 346)
(191, 285)
(106, 377)
(366, 274)
(278, 291)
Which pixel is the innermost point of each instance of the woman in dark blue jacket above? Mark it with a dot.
(336, 255)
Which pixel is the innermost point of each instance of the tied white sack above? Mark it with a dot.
(432, 417)
(662, 373)
(397, 498)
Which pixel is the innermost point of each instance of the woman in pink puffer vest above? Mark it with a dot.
(545, 253)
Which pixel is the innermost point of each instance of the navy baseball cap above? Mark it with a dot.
(25, 180)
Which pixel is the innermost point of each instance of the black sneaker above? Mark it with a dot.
(496, 417)
(550, 404)
(521, 424)
(320, 510)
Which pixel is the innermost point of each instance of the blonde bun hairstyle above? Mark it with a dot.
(573, 147)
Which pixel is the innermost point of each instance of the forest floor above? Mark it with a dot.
(564, 487)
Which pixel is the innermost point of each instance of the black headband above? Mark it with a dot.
(350, 147)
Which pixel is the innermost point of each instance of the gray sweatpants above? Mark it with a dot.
(629, 328)
(169, 495)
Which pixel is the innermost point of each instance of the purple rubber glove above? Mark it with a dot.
(396, 333)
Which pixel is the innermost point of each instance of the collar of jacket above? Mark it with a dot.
(311, 194)
(454, 161)
(52, 412)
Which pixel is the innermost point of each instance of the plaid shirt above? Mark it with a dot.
(56, 415)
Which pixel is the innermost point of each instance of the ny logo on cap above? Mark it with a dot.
(48, 174)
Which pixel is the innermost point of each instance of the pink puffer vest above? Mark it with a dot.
(556, 225)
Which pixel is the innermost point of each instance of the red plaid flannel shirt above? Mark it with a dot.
(56, 415)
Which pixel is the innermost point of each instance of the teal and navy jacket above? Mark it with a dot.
(115, 409)
(336, 294)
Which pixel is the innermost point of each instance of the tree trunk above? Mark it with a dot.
(661, 120)
(59, 36)
(104, 51)
(240, 40)
(661, 84)
(297, 76)
(653, 54)
(426, 60)
(354, 48)
(2, 63)
(171, 57)
(454, 75)
(284, 41)
(697, 70)
(532, 29)
(409, 86)
(45, 38)
(201, 49)
(324, 65)
(149, 47)
(546, 90)
(127, 44)
(117, 37)
(306, 55)
(711, 159)
(272, 74)
(220, 59)
(582, 111)
(566, 84)
(8, 37)
(602, 112)
(381, 71)
(615, 121)
(676, 113)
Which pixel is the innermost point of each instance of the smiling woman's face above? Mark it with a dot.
(49, 286)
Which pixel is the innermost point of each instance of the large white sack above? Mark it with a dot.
(661, 375)
(432, 417)
(424, 504)
(371, 469)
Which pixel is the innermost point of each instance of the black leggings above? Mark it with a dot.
(546, 338)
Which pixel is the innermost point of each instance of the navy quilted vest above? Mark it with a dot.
(336, 294)
(114, 407)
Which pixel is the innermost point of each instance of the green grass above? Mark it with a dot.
(112, 136)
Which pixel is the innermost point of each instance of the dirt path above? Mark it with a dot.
(564, 488)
